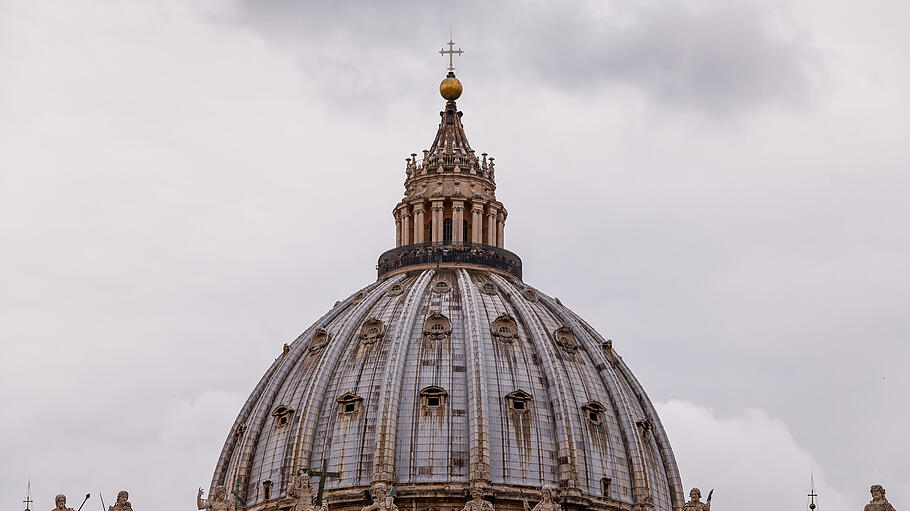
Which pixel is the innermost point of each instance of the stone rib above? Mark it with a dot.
(478, 418)
(384, 455)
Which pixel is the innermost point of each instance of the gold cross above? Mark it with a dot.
(451, 54)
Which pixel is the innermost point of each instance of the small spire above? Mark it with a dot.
(28, 495)
(812, 493)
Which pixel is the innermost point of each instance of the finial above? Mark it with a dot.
(812, 493)
(451, 88)
(28, 495)
(451, 53)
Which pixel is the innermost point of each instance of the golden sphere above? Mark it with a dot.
(450, 88)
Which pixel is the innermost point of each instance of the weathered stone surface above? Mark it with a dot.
(122, 503)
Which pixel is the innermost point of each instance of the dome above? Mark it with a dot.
(450, 374)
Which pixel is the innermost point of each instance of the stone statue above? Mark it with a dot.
(219, 502)
(300, 488)
(879, 502)
(546, 503)
(123, 503)
(695, 503)
(477, 503)
(60, 501)
(383, 500)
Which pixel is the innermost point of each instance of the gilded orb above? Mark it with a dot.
(450, 88)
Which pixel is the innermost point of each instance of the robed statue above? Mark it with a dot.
(300, 488)
(695, 503)
(60, 503)
(879, 502)
(219, 502)
(380, 499)
(477, 503)
(546, 500)
(122, 503)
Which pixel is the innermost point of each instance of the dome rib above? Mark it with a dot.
(314, 394)
(632, 441)
(568, 427)
(386, 436)
(238, 469)
(677, 492)
(478, 419)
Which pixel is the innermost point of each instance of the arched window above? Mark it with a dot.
(437, 327)
(282, 415)
(464, 231)
(447, 231)
(504, 329)
(371, 331)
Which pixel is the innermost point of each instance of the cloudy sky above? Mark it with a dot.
(721, 187)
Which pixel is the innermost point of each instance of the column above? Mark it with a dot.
(491, 225)
(477, 222)
(457, 221)
(437, 221)
(418, 223)
(405, 227)
(397, 228)
(501, 229)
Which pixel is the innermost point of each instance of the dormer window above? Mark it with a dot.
(395, 290)
(320, 340)
(594, 412)
(371, 331)
(282, 415)
(433, 397)
(349, 404)
(519, 401)
(437, 327)
(441, 287)
(504, 329)
(488, 288)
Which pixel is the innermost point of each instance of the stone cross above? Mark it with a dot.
(322, 475)
(451, 54)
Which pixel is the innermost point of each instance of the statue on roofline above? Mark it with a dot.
(477, 503)
(380, 499)
(695, 503)
(219, 502)
(546, 500)
(879, 502)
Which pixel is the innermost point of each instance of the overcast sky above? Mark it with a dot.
(720, 187)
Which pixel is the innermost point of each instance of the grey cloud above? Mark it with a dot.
(715, 57)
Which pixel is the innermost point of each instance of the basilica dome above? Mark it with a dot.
(451, 374)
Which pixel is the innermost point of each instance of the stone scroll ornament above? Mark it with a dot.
(219, 502)
(546, 500)
(477, 503)
(380, 499)
(879, 502)
(695, 503)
